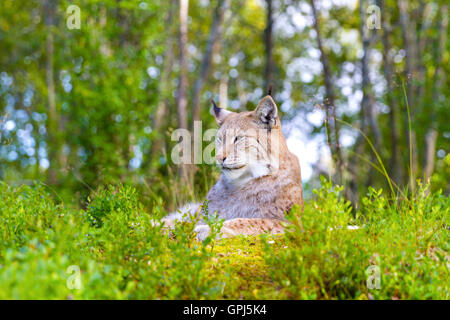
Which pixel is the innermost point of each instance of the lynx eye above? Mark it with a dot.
(237, 138)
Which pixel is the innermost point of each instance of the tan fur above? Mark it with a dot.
(244, 226)
(253, 198)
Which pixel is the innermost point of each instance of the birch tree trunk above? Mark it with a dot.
(214, 36)
(182, 85)
(368, 100)
(330, 107)
(367, 104)
(394, 168)
(183, 78)
(223, 92)
(411, 74)
(164, 89)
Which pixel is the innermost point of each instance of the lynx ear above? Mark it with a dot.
(267, 112)
(219, 113)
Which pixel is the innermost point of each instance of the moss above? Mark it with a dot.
(243, 269)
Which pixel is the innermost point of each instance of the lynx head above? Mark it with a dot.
(248, 143)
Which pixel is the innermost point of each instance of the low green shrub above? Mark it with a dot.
(405, 242)
(117, 249)
(115, 246)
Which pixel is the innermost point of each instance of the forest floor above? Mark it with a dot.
(113, 250)
(244, 257)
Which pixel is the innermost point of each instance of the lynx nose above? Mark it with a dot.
(221, 158)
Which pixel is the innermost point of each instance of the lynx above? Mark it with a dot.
(260, 178)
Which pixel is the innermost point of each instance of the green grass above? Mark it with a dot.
(122, 254)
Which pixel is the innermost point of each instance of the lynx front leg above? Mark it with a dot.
(244, 226)
(180, 214)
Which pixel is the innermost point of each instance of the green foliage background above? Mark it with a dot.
(83, 187)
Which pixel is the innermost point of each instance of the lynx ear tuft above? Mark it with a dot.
(267, 112)
(219, 113)
(269, 90)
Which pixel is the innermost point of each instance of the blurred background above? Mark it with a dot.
(90, 90)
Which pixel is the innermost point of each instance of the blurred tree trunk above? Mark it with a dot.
(183, 62)
(241, 95)
(388, 74)
(223, 92)
(367, 104)
(54, 146)
(268, 42)
(424, 23)
(183, 78)
(329, 102)
(438, 81)
(122, 23)
(124, 138)
(164, 91)
(214, 36)
(105, 46)
(408, 33)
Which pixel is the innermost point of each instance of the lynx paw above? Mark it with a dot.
(202, 232)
